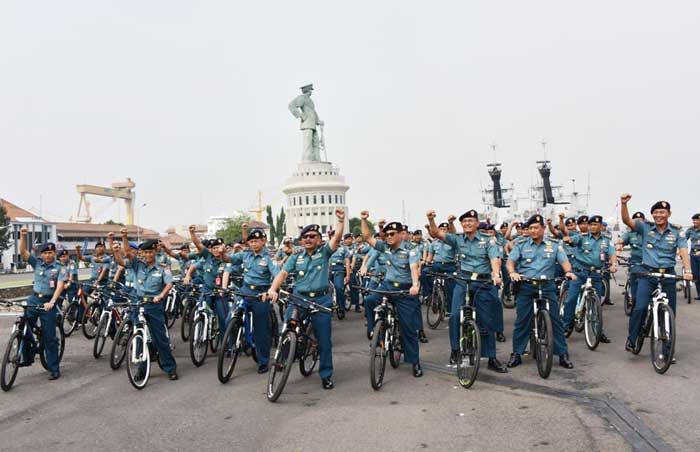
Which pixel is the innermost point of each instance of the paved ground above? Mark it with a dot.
(611, 401)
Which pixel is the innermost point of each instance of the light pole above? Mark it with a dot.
(138, 226)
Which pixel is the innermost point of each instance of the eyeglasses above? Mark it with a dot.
(391, 234)
(309, 236)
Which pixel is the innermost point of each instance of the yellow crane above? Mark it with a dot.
(119, 190)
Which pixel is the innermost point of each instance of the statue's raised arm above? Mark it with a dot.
(302, 107)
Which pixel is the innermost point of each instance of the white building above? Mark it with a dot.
(40, 231)
(313, 193)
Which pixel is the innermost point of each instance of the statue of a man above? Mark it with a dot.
(302, 107)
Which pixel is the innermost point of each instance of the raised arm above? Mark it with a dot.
(364, 227)
(434, 230)
(23, 244)
(117, 256)
(451, 224)
(338, 235)
(195, 240)
(624, 211)
(78, 255)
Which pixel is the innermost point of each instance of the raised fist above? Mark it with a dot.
(364, 214)
(430, 214)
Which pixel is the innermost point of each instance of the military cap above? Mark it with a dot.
(63, 252)
(490, 227)
(406, 228)
(570, 220)
(418, 232)
(256, 234)
(287, 239)
(48, 246)
(377, 235)
(347, 236)
(444, 225)
(307, 88)
(661, 205)
(469, 214)
(148, 245)
(638, 215)
(99, 243)
(205, 243)
(310, 228)
(518, 225)
(216, 242)
(535, 219)
(483, 225)
(595, 219)
(503, 225)
(582, 219)
(696, 216)
(135, 246)
(183, 247)
(393, 226)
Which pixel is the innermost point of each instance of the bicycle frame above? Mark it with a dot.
(141, 328)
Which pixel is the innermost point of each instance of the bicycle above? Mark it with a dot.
(297, 341)
(93, 312)
(190, 295)
(12, 359)
(139, 348)
(436, 308)
(70, 319)
(628, 303)
(469, 335)
(588, 316)
(340, 313)
(238, 337)
(659, 325)
(204, 330)
(105, 327)
(173, 304)
(507, 296)
(386, 336)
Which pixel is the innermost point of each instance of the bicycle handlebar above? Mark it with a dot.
(386, 292)
(660, 275)
(305, 303)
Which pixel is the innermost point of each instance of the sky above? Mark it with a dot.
(189, 99)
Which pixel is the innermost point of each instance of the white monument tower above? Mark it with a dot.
(316, 189)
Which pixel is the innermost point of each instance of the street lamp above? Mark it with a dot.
(138, 220)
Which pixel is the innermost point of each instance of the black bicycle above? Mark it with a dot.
(189, 294)
(436, 307)
(20, 346)
(296, 342)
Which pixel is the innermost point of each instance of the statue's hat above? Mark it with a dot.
(307, 88)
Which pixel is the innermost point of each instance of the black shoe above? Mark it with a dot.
(454, 358)
(514, 361)
(327, 383)
(263, 368)
(417, 370)
(565, 362)
(370, 335)
(568, 330)
(500, 337)
(422, 337)
(54, 375)
(697, 298)
(629, 346)
(357, 309)
(341, 315)
(604, 339)
(496, 366)
(609, 303)
(173, 376)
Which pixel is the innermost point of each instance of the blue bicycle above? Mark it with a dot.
(238, 337)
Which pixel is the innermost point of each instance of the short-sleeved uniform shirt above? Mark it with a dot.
(535, 261)
(149, 281)
(634, 240)
(693, 236)
(97, 267)
(659, 248)
(442, 252)
(398, 261)
(211, 269)
(258, 269)
(338, 257)
(47, 276)
(376, 262)
(474, 255)
(311, 269)
(590, 251)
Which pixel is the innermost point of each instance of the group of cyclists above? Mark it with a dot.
(552, 270)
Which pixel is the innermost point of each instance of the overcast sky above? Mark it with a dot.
(189, 99)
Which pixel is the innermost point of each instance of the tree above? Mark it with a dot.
(4, 230)
(271, 223)
(114, 223)
(233, 230)
(276, 224)
(355, 226)
(280, 227)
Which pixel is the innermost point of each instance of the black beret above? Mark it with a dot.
(483, 225)
(638, 215)
(377, 235)
(469, 214)
(99, 243)
(582, 219)
(48, 246)
(356, 235)
(518, 225)
(444, 225)
(535, 219)
(406, 228)
(256, 234)
(696, 216)
(216, 242)
(347, 236)
(185, 247)
(490, 227)
(148, 245)
(503, 225)
(418, 232)
(310, 228)
(570, 220)
(595, 219)
(63, 252)
(393, 226)
(661, 205)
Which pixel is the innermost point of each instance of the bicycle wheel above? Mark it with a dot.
(119, 345)
(274, 327)
(92, 317)
(507, 297)
(214, 339)
(70, 318)
(394, 341)
(100, 338)
(469, 354)
(593, 321)
(139, 362)
(663, 346)
(434, 311)
(348, 298)
(186, 322)
(580, 320)
(228, 352)
(686, 291)
(171, 311)
(198, 341)
(10, 362)
(281, 365)
(308, 356)
(629, 301)
(377, 358)
(544, 343)
(61, 338)
(606, 290)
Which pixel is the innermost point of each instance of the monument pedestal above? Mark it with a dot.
(314, 191)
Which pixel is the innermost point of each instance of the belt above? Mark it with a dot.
(669, 270)
(474, 276)
(400, 286)
(313, 294)
(588, 269)
(41, 295)
(254, 287)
